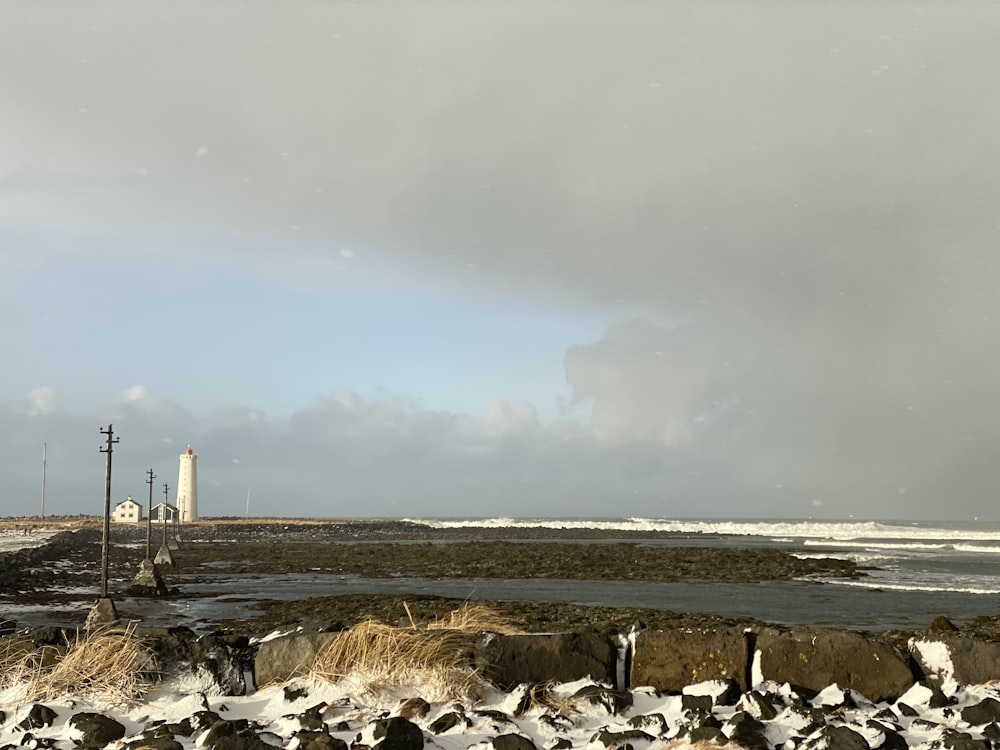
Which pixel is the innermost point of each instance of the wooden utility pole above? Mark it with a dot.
(109, 449)
(45, 450)
(149, 514)
(163, 515)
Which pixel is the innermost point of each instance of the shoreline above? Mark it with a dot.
(244, 550)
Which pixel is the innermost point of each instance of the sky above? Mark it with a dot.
(526, 259)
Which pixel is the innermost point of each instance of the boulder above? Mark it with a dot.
(180, 654)
(95, 730)
(397, 733)
(511, 660)
(947, 661)
(673, 659)
(281, 659)
(810, 659)
(512, 742)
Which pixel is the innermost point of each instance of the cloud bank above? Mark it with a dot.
(788, 216)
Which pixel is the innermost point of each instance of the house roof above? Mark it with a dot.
(169, 506)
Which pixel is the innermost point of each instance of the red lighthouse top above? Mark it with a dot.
(189, 451)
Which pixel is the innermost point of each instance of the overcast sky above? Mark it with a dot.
(589, 258)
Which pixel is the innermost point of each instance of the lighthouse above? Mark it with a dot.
(187, 486)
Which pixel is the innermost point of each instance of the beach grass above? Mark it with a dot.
(112, 664)
(438, 656)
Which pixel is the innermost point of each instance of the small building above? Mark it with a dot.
(127, 511)
(163, 512)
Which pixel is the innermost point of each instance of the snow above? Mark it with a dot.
(936, 658)
(277, 716)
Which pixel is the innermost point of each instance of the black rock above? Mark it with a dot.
(984, 712)
(697, 703)
(712, 735)
(962, 741)
(448, 721)
(96, 730)
(653, 723)
(513, 742)
(39, 716)
(309, 740)
(747, 732)
(620, 739)
(397, 733)
(758, 706)
(837, 738)
(614, 701)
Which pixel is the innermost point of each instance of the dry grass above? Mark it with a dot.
(474, 618)
(437, 658)
(111, 664)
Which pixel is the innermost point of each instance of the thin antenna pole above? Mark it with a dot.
(45, 450)
(249, 487)
(107, 511)
(149, 515)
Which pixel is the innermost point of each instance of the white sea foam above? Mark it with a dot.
(790, 529)
(923, 546)
(896, 585)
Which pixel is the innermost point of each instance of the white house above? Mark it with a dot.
(127, 511)
(157, 513)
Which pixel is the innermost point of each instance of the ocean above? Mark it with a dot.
(916, 571)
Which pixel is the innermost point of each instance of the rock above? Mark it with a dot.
(621, 739)
(810, 659)
(96, 730)
(953, 740)
(942, 624)
(948, 661)
(986, 711)
(397, 733)
(413, 708)
(448, 721)
(38, 716)
(757, 706)
(512, 742)
(836, 738)
(613, 701)
(707, 736)
(180, 654)
(308, 740)
(699, 703)
(312, 718)
(509, 660)
(672, 659)
(892, 740)
(655, 724)
(747, 732)
(154, 743)
(281, 659)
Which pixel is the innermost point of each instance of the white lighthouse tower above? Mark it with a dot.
(187, 486)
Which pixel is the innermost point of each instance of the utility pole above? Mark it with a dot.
(149, 514)
(45, 449)
(163, 514)
(107, 511)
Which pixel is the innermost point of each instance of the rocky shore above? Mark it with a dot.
(575, 677)
(65, 570)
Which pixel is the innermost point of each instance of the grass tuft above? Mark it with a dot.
(111, 664)
(437, 658)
